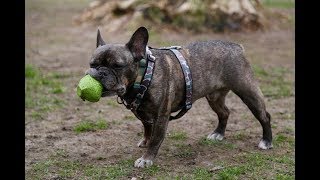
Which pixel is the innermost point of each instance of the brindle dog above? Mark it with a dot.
(216, 66)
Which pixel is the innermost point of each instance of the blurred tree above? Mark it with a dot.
(216, 15)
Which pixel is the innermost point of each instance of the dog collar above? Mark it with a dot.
(143, 80)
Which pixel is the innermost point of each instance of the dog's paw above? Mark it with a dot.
(215, 137)
(142, 163)
(142, 144)
(263, 144)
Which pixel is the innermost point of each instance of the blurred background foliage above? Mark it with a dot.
(192, 15)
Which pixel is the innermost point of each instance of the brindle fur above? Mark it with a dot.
(216, 66)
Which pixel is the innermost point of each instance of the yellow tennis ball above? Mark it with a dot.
(89, 89)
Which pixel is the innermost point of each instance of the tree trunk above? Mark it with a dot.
(216, 15)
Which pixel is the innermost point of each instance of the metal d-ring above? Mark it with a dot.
(120, 101)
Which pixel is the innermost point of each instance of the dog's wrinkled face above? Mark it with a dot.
(116, 66)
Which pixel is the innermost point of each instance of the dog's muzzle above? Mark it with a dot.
(109, 81)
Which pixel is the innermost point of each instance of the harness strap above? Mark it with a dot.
(188, 80)
(142, 83)
(145, 82)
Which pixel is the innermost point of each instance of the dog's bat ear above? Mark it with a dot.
(138, 42)
(100, 41)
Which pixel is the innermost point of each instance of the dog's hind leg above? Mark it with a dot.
(217, 103)
(252, 96)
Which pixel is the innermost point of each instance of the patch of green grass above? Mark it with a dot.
(101, 124)
(123, 168)
(63, 168)
(279, 3)
(57, 89)
(43, 104)
(59, 75)
(30, 71)
(42, 92)
(179, 135)
(60, 153)
(58, 102)
(284, 177)
(206, 142)
(40, 106)
(284, 160)
(152, 170)
(240, 136)
(86, 126)
(256, 163)
(38, 81)
(75, 169)
(68, 169)
(29, 102)
(94, 172)
(179, 177)
(184, 151)
(36, 115)
(232, 172)
(272, 81)
(254, 158)
(276, 90)
(259, 71)
(283, 140)
(40, 169)
(201, 173)
(57, 165)
(280, 138)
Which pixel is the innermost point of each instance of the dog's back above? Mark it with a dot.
(222, 64)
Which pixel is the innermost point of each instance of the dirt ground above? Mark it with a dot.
(60, 145)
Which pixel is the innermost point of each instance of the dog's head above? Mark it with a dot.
(115, 65)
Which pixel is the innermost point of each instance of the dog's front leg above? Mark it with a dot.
(158, 133)
(147, 134)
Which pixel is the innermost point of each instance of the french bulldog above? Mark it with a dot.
(216, 66)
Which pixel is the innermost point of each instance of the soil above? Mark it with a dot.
(54, 44)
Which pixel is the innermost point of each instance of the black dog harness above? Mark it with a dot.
(146, 68)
